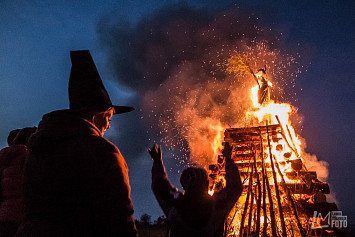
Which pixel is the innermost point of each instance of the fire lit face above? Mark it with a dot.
(102, 120)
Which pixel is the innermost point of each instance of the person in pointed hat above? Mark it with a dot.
(75, 181)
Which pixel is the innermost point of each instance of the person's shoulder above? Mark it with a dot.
(12, 152)
(103, 147)
(5, 150)
(16, 149)
(102, 152)
(100, 143)
(4, 153)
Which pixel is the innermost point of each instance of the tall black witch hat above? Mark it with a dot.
(86, 90)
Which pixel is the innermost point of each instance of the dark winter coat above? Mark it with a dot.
(75, 181)
(12, 159)
(190, 216)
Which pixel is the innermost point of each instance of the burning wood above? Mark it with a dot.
(292, 191)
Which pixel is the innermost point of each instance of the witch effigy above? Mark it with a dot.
(263, 92)
(240, 63)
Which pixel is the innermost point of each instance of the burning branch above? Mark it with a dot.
(257, 229)
(264, 187)
(246, 202)
(285, 138)
(290, 199)
(237, 64)
(283, 226)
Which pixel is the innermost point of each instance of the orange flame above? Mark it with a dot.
(278, 113)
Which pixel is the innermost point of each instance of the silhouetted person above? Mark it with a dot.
(76, 182)
(12, 159)
(194, 212)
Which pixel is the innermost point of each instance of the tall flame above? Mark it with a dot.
(277, 113)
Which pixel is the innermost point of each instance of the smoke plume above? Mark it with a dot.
(175, 61)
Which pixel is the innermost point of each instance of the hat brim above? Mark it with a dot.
(122, 109)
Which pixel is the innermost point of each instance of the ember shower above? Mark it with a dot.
(175, 59)
(178, 63)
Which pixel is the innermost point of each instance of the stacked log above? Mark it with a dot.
(275, 203)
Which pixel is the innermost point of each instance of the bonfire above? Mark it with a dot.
(281, 197)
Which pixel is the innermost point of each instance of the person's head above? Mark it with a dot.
(23, 135)
(194, 180)
(261, 73)
(101, 119)
(12, 135)
(87, 93)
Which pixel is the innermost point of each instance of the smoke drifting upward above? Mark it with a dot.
(175, 59)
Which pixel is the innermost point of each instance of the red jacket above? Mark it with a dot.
(12, 159)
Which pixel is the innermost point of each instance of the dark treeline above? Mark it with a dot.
(148, 228)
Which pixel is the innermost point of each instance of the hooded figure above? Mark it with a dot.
(75, 181)
(194, 212)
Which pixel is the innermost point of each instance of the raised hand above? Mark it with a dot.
(155, 152)
(227, 151)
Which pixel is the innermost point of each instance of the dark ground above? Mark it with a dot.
(151, 230)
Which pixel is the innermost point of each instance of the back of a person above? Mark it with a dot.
(73, 181)
(76, 182)
(52, 193)
(190, 217)
(194, 212)
(11, 207)
(12, 159)
(195, 217)
(55, 193)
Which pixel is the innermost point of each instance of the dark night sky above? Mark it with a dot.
(36, 38)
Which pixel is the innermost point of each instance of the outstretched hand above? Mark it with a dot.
(227, 151)
(155, 152)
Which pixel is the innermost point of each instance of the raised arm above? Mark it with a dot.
(163, 190)
(234, 185)
(255, 78)
(229, 195)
